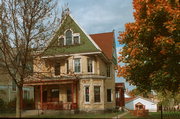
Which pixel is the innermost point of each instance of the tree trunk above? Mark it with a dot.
(19, 100)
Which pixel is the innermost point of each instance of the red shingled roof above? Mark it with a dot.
(129, 99)
(105, 42)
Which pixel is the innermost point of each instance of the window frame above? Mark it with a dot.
(80, 67)
(72, 37)
(92, 65)
(85, 101)
(69, 96)
(99, 94)
(76, 35)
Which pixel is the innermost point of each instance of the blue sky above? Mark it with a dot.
(98, 16)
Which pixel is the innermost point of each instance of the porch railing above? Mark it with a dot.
(58, 106)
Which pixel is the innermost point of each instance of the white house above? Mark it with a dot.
(141, 103)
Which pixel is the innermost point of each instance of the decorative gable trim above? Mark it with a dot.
(86, 34)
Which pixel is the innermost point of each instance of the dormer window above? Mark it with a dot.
(68, 35)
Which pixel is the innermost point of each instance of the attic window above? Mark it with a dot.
(76, 40)
(68, 37)
(61, 41)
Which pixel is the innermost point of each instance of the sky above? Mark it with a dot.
(98, 16)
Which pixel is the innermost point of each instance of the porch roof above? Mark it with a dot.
(37, 80)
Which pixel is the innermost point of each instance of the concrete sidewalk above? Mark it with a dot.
(120, 115)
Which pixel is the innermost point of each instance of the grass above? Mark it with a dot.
(155, 115)
(5, 115)
(96, 115)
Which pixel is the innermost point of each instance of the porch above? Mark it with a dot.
(55, 95)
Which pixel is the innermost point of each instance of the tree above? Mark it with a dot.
(25, 27)
(151, 46)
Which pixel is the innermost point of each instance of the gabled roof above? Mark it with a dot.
(105, 42)
(134, 98)
(93, 43)
(86, 43)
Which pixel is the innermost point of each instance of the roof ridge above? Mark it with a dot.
(101, 33)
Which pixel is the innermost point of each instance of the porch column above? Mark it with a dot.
(41, 96)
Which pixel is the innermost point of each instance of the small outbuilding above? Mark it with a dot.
(140, 103)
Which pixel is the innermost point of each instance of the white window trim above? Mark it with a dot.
(93, 64)
(85, 94)
(76, 34)
(100, 94)
(74, 65)
(65, 36)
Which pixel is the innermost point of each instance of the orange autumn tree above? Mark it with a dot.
(151, 46)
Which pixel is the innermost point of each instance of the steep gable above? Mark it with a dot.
(86, 43)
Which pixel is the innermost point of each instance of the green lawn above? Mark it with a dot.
(5, 115)
(155, 115)
(98, 115)
(104, 115)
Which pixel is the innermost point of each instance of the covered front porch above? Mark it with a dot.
(55, 94)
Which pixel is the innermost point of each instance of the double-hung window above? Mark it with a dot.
(109, 97)
(97, 97)
(86, 91)
(77, 65)
(90, 65)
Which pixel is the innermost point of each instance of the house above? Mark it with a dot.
(140, 103)
(120, 99)
(76, 71)
(8, 87)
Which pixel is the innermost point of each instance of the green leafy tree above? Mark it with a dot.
(151, 51)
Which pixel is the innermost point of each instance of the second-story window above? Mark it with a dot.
(68, 37)
(57, 69)
(77, 65)
(90, 65)
(108, 71)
